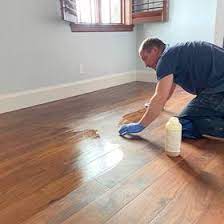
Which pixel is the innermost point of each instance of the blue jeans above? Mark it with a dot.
(204, 115)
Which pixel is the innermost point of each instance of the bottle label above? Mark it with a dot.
(173, 141)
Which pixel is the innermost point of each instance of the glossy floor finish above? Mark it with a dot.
(64, 163)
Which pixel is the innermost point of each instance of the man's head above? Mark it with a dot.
(150, 51)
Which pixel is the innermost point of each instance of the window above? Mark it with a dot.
(112, 15)
(98, 15)
(149, 11)
(104, 12)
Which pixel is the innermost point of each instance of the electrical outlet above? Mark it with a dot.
(81, 69)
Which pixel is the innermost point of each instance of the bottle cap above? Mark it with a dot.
(174, 120)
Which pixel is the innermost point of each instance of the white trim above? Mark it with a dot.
(20, 100)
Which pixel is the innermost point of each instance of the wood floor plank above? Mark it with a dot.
(147, 178)
(18, 199)
(109, 204)
(194, 199)
(147, 205)
(62, 209)
(130, 163)
(93, 169)
(214, 213)
(49, 165)
(53, 171)
(23, 209)
(163, 190)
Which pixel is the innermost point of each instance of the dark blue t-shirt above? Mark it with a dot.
(196, 66)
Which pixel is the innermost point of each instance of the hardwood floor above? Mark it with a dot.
(64, 163)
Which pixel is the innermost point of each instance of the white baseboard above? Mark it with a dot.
(20, 100)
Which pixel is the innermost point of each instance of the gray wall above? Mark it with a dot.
(37, 49)
(188, 21)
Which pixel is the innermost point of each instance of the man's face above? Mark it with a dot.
(151, 57)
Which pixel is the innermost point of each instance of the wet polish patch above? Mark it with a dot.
(132, 117)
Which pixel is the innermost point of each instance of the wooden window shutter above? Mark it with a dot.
(68, 10)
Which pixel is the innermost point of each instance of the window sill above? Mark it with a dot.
(101, 28)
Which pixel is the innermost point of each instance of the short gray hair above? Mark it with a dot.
(149, 43)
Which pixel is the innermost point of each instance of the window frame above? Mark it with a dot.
(126, 25)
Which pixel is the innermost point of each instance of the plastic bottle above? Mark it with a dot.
(173, 137)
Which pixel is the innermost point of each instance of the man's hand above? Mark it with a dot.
(131, 128)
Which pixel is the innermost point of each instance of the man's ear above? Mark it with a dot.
(157, 50)
(154, 50)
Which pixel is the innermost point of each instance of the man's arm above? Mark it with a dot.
(171, 91)
(170, 94)
(164, 90)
